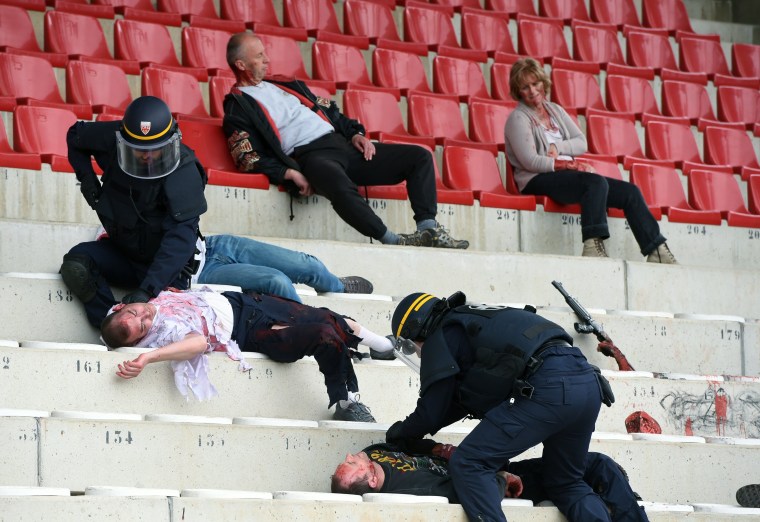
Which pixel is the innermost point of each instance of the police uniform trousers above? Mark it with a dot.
(310, 331)
(334, 168)
(561, 414)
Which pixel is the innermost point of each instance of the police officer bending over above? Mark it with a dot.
(520, 374)
(149, 203)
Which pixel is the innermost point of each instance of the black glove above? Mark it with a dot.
(138, 296)
(91, 189)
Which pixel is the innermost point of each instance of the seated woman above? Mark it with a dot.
(542, 143)
(184, 326)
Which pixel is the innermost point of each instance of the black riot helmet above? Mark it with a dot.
(419, 313)
(148, 141)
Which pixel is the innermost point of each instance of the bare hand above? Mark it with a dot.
(553, 152)
(304, 187)
(565, 165)
(445, 451)
(363, 145)
(131, 369)
(514, 484)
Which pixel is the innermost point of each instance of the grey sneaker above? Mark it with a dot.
(439, 237)
(662, 254)
(594, 247)
(356, 285)
(413, 239)
(354, 412)
(749, 496)
(384, 356)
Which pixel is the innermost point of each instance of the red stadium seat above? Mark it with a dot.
(616, 12)
(399, 70)
(686, 99)
(671, 141)
(200, 13)
(251, 12)
(432, 25)
(667, 14)
(149, 45)
(662, 188)
(511, 7)
(576, 90)
(284, 56)
(541, 38)
(745, 60)
(102, 86)
(81, 37)
(42, 130)
(371, 19)
(500, 81)
(739, 104)
(438, 115)
(718, 191)
(459, 5)
(630, 94)
(465, 168)
(179, 90)
(613, 135)
(210, 145)
(462, 78)
(753, 193)
(142, 11)
(567, 10)
(205, 48)
(647, 49)
(319, 19)
(29, 80)
(485, 31)
(16, 160)
(342, 64)
(597, 43)
(702, 55)
(487, 120)
(218, 87)
(729, 147)
(17, 36)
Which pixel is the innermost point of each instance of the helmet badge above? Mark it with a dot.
(145, 127)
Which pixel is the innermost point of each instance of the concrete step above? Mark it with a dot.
(76, 453)
(84, 380)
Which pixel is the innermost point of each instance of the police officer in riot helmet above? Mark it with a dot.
(520, 375)
(149, 201)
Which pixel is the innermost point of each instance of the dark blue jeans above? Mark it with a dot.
(596, 194)
(561, 414)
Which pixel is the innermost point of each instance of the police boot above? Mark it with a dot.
(77, 272)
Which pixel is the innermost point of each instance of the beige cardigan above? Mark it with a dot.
(526, 143)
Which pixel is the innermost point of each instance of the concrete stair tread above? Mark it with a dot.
(125, 491)
(225, 493)
(400, 498)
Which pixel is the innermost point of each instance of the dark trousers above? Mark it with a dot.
(335, 168)
(310, 331)
(595, 194)
(604, 475)
(111, 267)
(561, 414)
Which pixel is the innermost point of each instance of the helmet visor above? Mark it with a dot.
(408, 353)
(149, 161)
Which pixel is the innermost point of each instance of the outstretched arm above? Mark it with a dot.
(183, 350)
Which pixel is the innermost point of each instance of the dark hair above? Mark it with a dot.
(114, 335)
(359, 487)
(522, 68)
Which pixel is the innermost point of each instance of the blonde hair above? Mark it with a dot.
(521, 69)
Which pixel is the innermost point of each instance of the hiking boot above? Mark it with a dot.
(384, 356)
(413, 239)
(354, 412)
(594, 247)
(356, 285)
(662, 254)
(749, 496)
(439, 237)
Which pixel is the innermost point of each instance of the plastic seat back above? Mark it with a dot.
(745, 60)
(710, 190)
(457, 76)
(702, 55)
(660, 186)
(500, 81)
(666, 14)
(437, 116)
(753, 194)
(487, 120)
(144, 42)
(597, 43)
(42, 130)
(284, 56)
(399, 69)
(203, 8)
(617, 12)
(312, 15)
(686, 99)
(429, 26)
(576, 90)
(630, 94)
(371, 19)
(465, 168)
(258, 11)
(377, 110)
(564, 9)
(729, 147)
(650, 50)
(28, 77)
(209, 143)
(179, 90)
(486, 33)
(671, 141)
(613, 136)
(513, 7)
(738, 104)
(103, 86)
(218, 87)
(75, 34)
(541, 39)
(16, 29)
(202, 47)
(339, 63)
